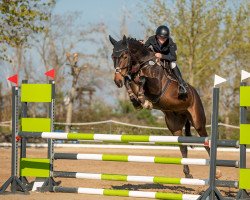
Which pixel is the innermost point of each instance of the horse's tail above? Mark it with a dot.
(188, 128)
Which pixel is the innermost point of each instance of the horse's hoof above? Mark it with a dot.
(148, 105)
(138, 107)
(136, 104)
(188, 175)
(218, 174)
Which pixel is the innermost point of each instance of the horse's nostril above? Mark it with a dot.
(120, 83)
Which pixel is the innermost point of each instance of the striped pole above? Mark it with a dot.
(176, 140)
(145, 159)
(126, 193)
(117, 138)
(120, 177)
(143, 179)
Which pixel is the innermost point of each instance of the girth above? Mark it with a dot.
(164, 90)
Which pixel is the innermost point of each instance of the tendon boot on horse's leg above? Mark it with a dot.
(186, 170)
(132, 96)
(141, 96)
(144, 102)
(181, 82)
(136, 103)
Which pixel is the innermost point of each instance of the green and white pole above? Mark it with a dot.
(126, 193)
(145, 159)
(129, 178)
(116, 138)
(173, 140)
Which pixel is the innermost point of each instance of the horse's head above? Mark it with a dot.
(121, 58)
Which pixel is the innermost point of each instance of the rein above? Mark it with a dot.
(140, 64)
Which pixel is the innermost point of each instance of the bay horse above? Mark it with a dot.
(148, 82)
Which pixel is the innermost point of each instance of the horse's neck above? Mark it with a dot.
(148, 57)
(141, 55)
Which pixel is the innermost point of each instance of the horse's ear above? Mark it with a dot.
(112, 40)
(124, 39)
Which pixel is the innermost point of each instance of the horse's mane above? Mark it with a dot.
(136, 46)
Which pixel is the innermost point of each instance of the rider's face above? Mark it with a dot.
(161, 39)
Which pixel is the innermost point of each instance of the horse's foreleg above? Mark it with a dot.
(141, 96)
(133, 98)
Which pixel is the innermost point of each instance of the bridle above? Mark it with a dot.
(117, 57)
(118, 54)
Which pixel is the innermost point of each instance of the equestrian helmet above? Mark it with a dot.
(162, 31)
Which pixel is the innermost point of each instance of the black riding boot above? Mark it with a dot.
(182, 83)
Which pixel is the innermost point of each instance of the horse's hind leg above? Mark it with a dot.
(198, 119)
(175, 123)
(184, 153)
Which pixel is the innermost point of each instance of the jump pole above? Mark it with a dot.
(125, 193)
(50, 182)
(145, 159)
(23, 142)
(176, 140)
(143, 179)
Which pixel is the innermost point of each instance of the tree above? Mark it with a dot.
(211, 38)
(237, 19)
(196, 28)
(20, 19)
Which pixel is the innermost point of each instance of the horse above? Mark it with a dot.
(147, 81)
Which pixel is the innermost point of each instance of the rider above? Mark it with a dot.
(165, 49)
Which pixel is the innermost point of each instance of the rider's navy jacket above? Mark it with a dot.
(168, 49)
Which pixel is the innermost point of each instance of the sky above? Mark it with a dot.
(110, 12)
(107, 11)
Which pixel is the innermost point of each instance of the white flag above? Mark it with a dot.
(244, 75)
(218, 80)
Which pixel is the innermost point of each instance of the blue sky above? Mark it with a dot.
(110, 12)
(107, 11)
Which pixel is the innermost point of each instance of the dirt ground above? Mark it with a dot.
(146, 169)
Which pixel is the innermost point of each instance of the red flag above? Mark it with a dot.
(50, 73)
(18, 138)
(13, 79)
